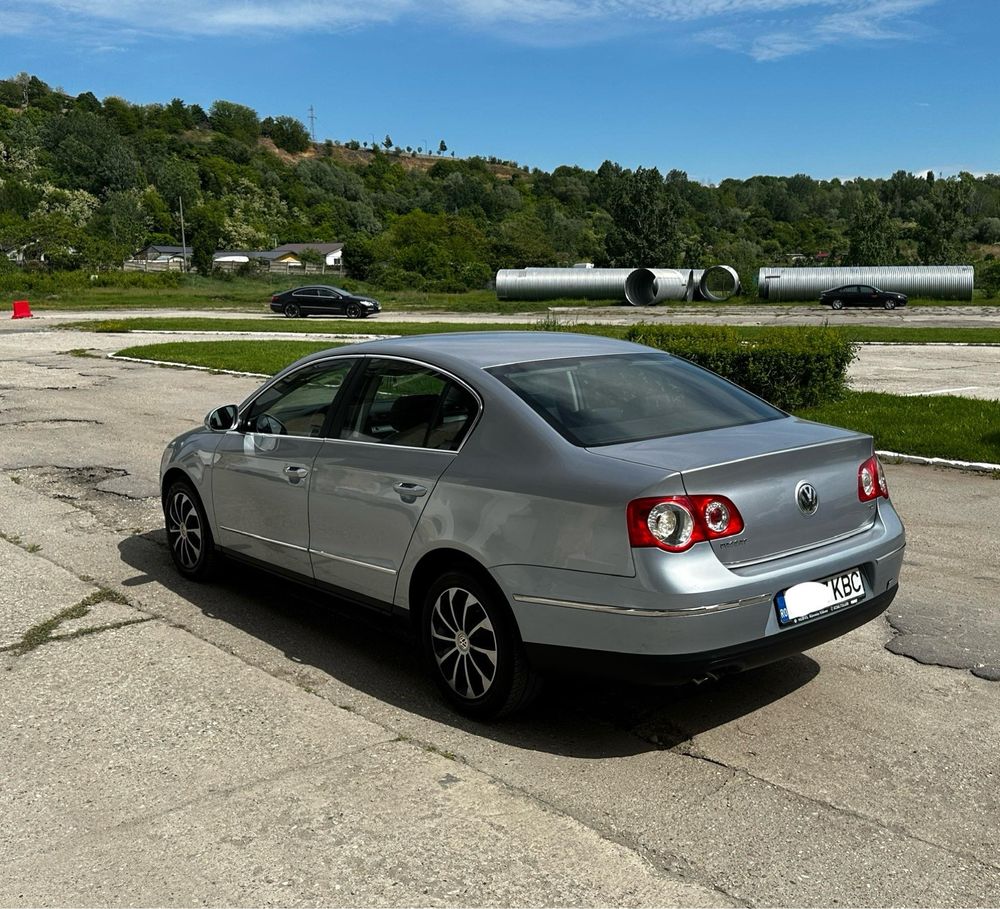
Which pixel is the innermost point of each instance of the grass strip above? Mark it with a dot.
(932, 426)
(859, 333)
(238, 356)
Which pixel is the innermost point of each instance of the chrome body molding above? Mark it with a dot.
(646, 613)
(346, 561)
(254, 536)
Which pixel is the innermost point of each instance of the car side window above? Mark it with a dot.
(298, 405)
(397, 403)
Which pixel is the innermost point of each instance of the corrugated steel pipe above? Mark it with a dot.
(649, 286)
(718, 283)
(553, 283)
(941, 282)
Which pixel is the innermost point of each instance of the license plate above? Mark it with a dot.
(816, 598)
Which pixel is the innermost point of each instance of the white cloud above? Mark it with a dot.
(765, 29)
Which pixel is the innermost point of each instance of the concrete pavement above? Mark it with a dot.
(248, 743)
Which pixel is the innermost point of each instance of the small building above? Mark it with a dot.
(333, 253)
(158, 253)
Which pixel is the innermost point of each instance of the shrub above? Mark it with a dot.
(42, 281)
(790, 367)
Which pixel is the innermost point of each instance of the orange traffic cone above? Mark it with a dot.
(22, 310)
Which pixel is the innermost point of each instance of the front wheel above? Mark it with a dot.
(473, 650)
(292, 310)
(890, 304)
(837, 304)
(354, 311)
(189, 537)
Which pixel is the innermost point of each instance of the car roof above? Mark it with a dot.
(485, 349)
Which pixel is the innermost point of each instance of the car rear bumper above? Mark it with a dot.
(677, 668)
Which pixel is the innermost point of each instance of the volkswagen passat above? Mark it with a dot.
(534, 501)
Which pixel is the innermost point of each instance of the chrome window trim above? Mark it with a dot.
(253, 536)
(648, 613)
(356, 356)
(360, 564)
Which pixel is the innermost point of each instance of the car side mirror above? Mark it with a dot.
(222, 418)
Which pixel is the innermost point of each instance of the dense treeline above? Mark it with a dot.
(85, 183)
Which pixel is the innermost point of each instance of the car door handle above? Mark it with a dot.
(294, 473)
(409, 491)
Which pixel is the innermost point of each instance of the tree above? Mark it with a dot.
(235, 120)
(442, 148)
(872, 233)
(644, 229)
(387, 142)
(206, 224)
(287, 133)
(941, 223)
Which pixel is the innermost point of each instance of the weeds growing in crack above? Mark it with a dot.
(16, 540)
(44, 632)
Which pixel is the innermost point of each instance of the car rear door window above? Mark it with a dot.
(402, 403)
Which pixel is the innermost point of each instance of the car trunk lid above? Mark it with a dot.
(761, 468)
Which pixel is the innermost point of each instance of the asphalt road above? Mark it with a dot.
(249, 743)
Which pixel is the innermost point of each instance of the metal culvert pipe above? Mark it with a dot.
(718, 283)
(649, 286)
(553, 283)
(939, 282)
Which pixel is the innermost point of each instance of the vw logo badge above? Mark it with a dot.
(806, 498)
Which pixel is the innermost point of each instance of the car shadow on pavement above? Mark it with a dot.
(377, 656)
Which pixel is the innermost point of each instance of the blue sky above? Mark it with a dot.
(718, 88)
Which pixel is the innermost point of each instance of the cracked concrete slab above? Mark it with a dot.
(174, 774)
(28, 596)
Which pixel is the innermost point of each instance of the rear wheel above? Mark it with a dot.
(292, 310)
(837, 304)
(189, 537)
(472, 648)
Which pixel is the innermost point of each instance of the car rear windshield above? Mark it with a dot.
(609, 400)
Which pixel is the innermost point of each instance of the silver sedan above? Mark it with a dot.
(534, 502)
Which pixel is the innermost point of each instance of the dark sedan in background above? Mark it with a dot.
(861, 295)
(323, 300)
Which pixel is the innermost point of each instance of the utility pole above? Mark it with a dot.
(312, 123)
(184, 251)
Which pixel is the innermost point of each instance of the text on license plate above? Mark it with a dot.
(816, 598)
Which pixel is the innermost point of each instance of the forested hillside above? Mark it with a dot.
(86, 182)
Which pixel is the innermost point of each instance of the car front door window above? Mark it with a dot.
(299, 404)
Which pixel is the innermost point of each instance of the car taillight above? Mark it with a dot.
(871, 480)
(274, 299)
(676, 523)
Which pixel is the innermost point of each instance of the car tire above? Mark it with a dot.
(837, 304)
(292, 311)
(890, 304)
(472, 648)
(189, 538)
(354, 311)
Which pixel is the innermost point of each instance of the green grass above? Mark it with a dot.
(962, 429)
(860, 333)
(239, 356)
(933, 426)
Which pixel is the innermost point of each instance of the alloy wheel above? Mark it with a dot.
(184, 531)
(464, 643)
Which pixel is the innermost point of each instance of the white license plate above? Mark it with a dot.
(816, 598)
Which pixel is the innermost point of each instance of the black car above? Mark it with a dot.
(323, 300)
(861, 295)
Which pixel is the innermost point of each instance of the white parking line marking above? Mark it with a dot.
(939, 391)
